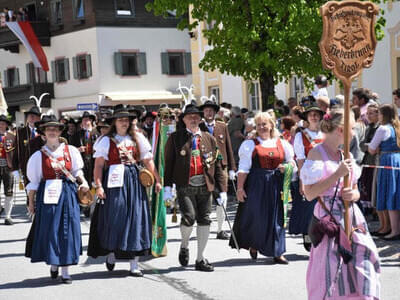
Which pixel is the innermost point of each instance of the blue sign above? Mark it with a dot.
(87, 106)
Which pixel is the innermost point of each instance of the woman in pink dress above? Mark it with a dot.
(328, 277)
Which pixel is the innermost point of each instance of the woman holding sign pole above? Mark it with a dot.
(121, 223)
(337, 269)
(55, 236)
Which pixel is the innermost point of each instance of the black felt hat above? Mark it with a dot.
(210, 103)
(86, 114)
(5, 119)
(121, 111)
(34, 110)
(191, 109)
(50, 121)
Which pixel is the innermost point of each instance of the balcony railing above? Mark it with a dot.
(9, 41)
(19, 95)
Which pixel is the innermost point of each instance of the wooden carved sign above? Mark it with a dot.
(347, 46)
(348, 40)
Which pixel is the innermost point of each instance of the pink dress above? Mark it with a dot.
(359, 279)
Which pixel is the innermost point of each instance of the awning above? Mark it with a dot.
(142, 98)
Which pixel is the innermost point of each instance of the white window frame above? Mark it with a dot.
(215, 90)
(125, 13)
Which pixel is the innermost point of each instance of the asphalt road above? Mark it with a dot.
(236, 276)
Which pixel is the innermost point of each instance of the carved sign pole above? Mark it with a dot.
(347, 46)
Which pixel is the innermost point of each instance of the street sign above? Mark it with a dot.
(87, 106)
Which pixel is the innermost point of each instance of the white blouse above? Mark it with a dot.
(34, 167)
(381, 134)
(298, 142)
(102, 146)
(247, 148)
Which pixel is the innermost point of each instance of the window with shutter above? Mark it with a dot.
(78, 9)
(130, 63)
(11, 77)
(176, 63)
(30, 73)
(60, 70)
(56, 12)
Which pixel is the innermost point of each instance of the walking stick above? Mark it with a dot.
(230, 228)
(346, 58)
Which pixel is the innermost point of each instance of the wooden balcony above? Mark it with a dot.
(19, 95)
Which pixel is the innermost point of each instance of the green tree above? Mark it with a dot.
(269, 40)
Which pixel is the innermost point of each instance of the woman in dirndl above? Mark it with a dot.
(55, 236)
(121, 224)
(386, 141)
(305, 139)
(259, 219)
(329, 275)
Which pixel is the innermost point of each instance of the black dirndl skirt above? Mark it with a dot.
(259, 220)
(121, 223)
(302, 211)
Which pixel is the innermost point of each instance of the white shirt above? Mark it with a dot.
(34, 168)
(247, 148)
(102, 147)
(298, 142)
(381, 134)
(322, 92)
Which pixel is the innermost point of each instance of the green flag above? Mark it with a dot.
(159, 242)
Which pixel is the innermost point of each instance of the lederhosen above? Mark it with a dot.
(6, 175)
(195, 200)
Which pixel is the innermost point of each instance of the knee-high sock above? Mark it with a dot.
(134, 263)
(8, 205)
(64, 272)
(220, 216)
(186, 231)
(202, 238)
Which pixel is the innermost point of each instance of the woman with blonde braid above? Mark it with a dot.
(336, 270)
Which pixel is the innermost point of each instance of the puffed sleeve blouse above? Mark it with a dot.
(247, 148)
(34, 168)
(103, 145)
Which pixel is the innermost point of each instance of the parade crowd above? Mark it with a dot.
(285, 167)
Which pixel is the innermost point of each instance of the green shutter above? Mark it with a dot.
(164, 63)
(53, 71)
(141, 61)
(118, 63)
(28, 74)
(188, 63)
(16, 77)
(5, 79)
(66, 66)
(88, 60)
(75, 67)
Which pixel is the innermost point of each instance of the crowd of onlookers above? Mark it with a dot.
(9, 15)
